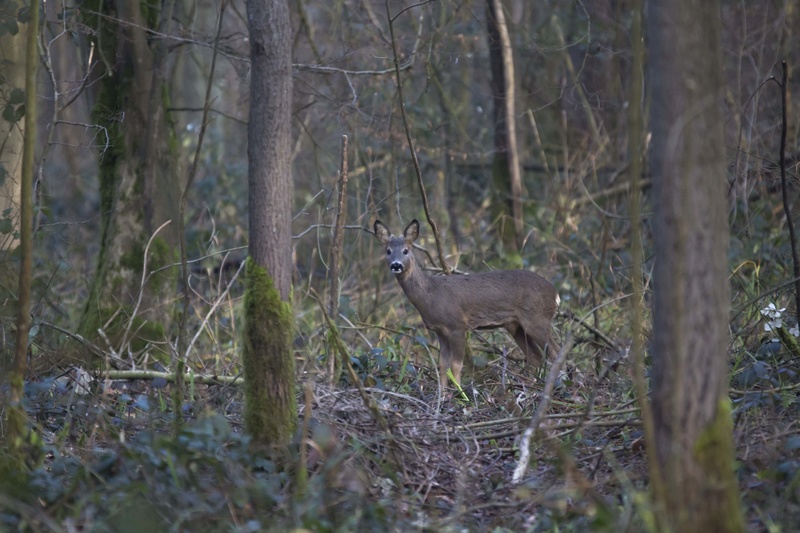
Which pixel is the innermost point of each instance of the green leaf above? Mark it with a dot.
(8, 113)
(24, 14)
(17, 96)
(6, 226)
(11, 27)
(12, 113)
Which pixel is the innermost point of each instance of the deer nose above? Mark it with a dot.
(396, 267)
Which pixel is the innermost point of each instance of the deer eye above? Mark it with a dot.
(405, 251)
(388, 252)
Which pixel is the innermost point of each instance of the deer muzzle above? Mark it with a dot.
(396, 267)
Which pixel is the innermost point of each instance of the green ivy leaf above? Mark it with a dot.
(24, 15)
(8, 113)
(6, 226)
(17, 96)
(11, 27)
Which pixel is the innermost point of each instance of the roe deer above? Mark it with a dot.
(520, 301)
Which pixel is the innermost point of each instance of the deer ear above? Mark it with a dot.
(412, 231)
(381, 232)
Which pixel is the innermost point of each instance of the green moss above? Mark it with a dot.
(150, 13)
(173, 141)
(714, 453)
(133, 258)
(789, 340)
(109, 105)
(159, 255)
(270, 412)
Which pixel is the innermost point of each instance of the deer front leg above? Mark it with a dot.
(451, 345)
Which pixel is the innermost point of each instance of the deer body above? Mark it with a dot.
(522, 302)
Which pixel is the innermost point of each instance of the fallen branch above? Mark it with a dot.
(171, 376)
(533, 427)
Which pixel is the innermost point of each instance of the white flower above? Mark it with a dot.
(795, 330)
(772, 311)
(772, 325)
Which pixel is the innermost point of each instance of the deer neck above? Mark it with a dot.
(416, 284)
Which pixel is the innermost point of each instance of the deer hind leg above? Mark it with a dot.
(515, 330)
(541, 332)
(539, 337)
(552, 346)
(529, 347)
(452, 345)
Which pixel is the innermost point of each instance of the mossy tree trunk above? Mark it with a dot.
(693, 429)
(139, 188)
(12, 129)
(270, 404)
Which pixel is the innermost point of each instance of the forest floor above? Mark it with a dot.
(421, 460)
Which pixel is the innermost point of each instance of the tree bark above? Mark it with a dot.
(693, 430)
(17, 421)
(12, 130)
(139, 188)
(269, 135)
(12, 55)
(506, 177)
(270, 405)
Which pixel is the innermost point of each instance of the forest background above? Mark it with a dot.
(142, 117)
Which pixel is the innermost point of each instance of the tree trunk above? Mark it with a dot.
(506, 178)
(139, 189)
(693, 430)
(12, 55)
(270, 405)
(17, 426)
(12, 129)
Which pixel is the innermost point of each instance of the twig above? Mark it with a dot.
(301, 477)
(517, 420)
(207, 379)
(145, 277)
(769, 292)
(181, 350)
(336, 255)
(635, 139)
(338, 234)
(537, 137)
(412, 148)
(319, 69)
(369, 402)
(596, 133)
(597, 333)
(95, 349)
(213, 309)
(774, 390)
(569, 427)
